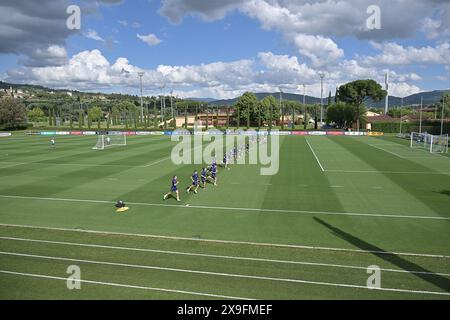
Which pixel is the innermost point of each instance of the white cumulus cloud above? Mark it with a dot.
(150, 39)
(91, 71)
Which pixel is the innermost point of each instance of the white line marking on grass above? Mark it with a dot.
(315, 156)
(41, 162)
(111, 284)
(12, 165)
(230, 242)
(222, 274)
(388, 172)
(192, 254)
(155, 162)
(358, 214)
(391, 152)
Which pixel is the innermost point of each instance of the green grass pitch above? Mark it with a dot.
(337, 206)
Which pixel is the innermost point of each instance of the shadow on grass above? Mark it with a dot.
(445, 192)
(435, 279)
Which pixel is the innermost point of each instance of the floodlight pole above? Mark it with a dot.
(421, 106)
(281, 105)
(304, 104)
(322, 76)
(386, 106)
(171, 104)
(163, 103)
(141, 74)
(442, 116)
(401, 116)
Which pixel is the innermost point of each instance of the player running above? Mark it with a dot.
(213, 174)
(204, 176)
(173, 189)
(195, 183)
(235, 153)
(225, 161)
(52, 143)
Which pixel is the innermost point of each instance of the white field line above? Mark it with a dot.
(406, 147)
(181, 206)
(222, 274)
(155, 162)
(390, 152)
(13, 164)
(228, 242)
(203, 255)
(111, 284)
(389, 172)
(41, 162)
(82, 164)
(315, 156)
(44, 161)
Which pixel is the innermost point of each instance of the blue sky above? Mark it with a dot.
(221, 49)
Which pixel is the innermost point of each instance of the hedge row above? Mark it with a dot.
(433, 127)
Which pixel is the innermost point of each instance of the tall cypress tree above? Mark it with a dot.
(259, 116)
(155, 115)
(186, 116)
(207, 118)
(248, 118)
(217, 117)
(271, 118)
(50, 122)
(293, 116)
(108, 118)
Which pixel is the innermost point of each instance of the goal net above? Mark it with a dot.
(439, 144)
(429, 142)
(110, 140)
(419, 140)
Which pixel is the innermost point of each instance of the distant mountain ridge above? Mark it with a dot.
(430, 97)
(207, 100)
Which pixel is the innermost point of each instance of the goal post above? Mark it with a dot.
(429, 142)
(110, 140)
(439, 144)
(418, 140)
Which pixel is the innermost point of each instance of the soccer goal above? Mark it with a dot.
(439, 144)
(110, 140)
(419, 140)
(429, 142)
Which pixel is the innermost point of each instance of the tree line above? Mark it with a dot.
(346, 111)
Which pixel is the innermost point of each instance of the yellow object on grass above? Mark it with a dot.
(122, 209)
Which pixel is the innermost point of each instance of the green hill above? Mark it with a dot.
(429, 98)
